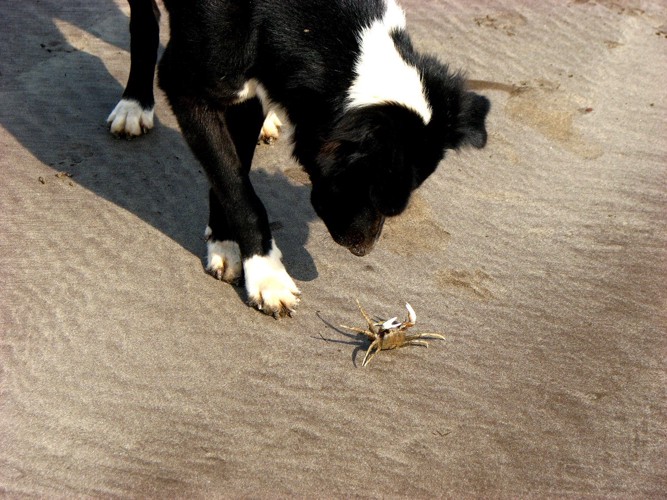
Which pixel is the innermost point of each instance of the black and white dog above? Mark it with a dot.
(371, 117)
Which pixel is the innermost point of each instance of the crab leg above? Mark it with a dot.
(366, 316)
(369, 355)
(416, 342)
(358, 330)
(426, 336)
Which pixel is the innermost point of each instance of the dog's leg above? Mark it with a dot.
(224, 255)
(268, 285)
(223, 259)
(133, 115)
(224, 142)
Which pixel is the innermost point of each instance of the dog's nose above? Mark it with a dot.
(358, 244)
(363, 244)
(360, 251)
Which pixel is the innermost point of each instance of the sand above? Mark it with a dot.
(128, 371)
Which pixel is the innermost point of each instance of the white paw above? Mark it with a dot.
(270, 289)
(271, 128)
(129, 119)
(224, 259)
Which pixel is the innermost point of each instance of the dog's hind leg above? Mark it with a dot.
(133, 115)
(271, 128)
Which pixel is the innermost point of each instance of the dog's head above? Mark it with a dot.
(377, 155)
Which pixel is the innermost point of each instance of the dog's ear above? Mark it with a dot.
(345, 149)
(458, 122)
(472, 113)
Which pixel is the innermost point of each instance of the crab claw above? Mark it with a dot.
(412, 316)
(391, 323)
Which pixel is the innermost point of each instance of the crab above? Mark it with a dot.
(391, 333)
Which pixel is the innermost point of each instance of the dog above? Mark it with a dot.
(372, 117)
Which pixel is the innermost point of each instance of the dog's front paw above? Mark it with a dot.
(224, 260)
(270, 289)
(129, 119)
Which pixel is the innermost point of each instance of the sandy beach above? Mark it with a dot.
(127, 371)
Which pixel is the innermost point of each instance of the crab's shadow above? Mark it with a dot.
(356, 339)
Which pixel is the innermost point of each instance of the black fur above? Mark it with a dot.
(363, 162)
(144, 30)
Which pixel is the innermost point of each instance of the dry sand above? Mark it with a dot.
(128, 371)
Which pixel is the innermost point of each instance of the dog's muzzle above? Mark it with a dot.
(359, 243)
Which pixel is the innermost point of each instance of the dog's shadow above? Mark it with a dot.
(290, 212)
(55, 104)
